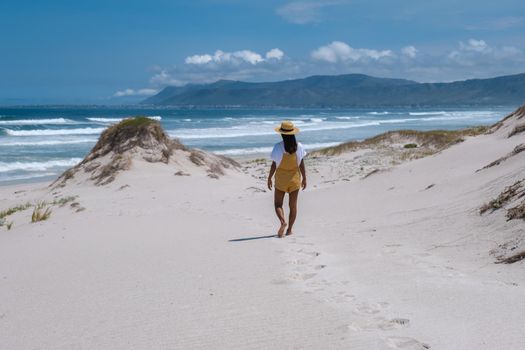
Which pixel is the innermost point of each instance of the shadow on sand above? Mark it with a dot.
(251, 238)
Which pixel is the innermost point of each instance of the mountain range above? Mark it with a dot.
(349, 90)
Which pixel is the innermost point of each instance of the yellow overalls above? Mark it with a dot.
(287, 175)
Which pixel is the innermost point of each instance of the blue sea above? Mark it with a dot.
(37, 143)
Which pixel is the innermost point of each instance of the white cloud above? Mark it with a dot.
(133, 92)
(508, 52)
(274, 54)
(236, 57)
(338, 51)
(303, 12)
(163, 78)
(409, 51)
(482, 58)
(248, 56)
(198, 59)
(478, 52)
(474, 45)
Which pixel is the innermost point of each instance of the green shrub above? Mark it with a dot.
(410, 145)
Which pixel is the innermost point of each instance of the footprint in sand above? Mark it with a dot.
(297, 262)
(405, 343)
(378, 323)
(394, 323)
(370, 309)
(363, 325)
(307, 276)
(296, 277)
(340, 299)
(301, 269)
(310, 254)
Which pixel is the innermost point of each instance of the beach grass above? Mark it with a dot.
(504, 197)
(63, 201)
(41, 212)
(12, 210)
(435, 139)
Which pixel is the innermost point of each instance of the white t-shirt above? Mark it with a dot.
(278, 151)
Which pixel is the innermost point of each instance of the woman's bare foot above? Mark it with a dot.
(280, 233)
(289, 232)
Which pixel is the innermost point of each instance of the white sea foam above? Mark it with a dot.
(105, 120)
(428, 113)
(36, 121)
(210, 133)
(378, 113)
(347, 117)
(258, 150)
(38, 166)
(27, 176)
(399, 120)
(47, 142)
(243, 151)
(116, 120)
(51, 132)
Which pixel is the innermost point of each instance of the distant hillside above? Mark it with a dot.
(346, 90)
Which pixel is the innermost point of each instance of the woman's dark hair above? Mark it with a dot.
(290, 143)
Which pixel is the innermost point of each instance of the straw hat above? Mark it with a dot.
(287, 128)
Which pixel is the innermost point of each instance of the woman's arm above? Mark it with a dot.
(303, 173)
(270, 176)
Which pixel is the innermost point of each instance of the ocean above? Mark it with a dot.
(37, 143)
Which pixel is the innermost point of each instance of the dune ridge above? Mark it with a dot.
(140, 139)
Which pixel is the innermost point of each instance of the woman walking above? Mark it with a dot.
(290, 174)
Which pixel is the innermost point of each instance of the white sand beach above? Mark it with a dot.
(399, 259)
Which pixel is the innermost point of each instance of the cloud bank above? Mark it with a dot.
(133, 92)
(338, 51)
(470, 58)
(237, 57)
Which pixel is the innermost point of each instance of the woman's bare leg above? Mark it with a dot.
(292, 201)
(278, 202)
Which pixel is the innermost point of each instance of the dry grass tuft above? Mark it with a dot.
(41, 212)
(375, 171)
(518, 149)
(107, 173)
(12, 210)
(215, 163)
(517, 129)
(197, 158)
(518, 114)
(63, 201)
(504, 197)
(518, 212)
(512, 259)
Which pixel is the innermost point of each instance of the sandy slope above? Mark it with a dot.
(157, 261)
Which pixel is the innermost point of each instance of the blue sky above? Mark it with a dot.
(112, 51)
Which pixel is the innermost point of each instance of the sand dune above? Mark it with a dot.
(400, 259)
